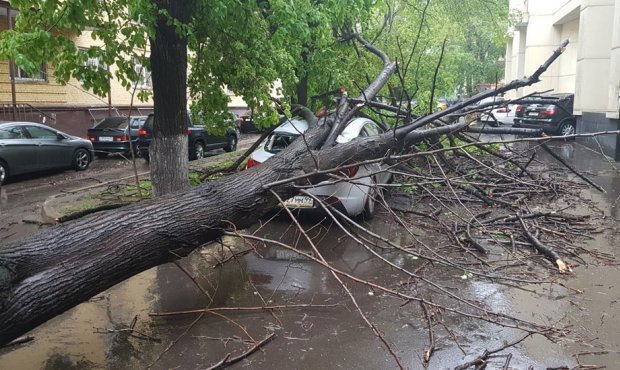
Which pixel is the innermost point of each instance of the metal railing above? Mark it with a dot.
(26, 112)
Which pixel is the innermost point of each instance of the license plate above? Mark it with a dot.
(106, 138)
(299, 201)
(533, 114)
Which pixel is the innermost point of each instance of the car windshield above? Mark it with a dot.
(277, 142)
(113, 122)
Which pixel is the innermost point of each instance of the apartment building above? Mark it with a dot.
(71, 108)
(589, 68)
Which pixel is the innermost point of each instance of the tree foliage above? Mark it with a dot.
(261, 47)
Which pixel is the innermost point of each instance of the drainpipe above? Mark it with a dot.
(11, 65)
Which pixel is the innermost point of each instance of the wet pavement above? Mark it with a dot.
(94, 334)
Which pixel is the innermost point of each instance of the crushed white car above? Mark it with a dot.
(358, 195)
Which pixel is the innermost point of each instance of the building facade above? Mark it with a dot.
(71, 108)
(589, 68)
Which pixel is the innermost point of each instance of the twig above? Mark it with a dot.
(177, 339)
(227, 360)
(263, 308)
(19, 341)
(482, 358)
(571, 168)
(431, 339)
(546, 251)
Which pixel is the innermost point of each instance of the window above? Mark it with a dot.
(92, 64)
(11, 133)
(228, 92)
(39, 75)
(372, 129)
(95, 63)
(37, 132)
(137, 122)
(144, 76)
(278, 142)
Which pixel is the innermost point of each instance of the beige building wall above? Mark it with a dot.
(589, 67)
(590, 61)
(568, 62)
(52, 93)
(120, 95)
(613, 108)
(593, 61)
(540, 42)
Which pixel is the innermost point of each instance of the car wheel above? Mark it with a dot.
(4, 172)
(81, 159)
(374, 192)
(102, 154)
(232, 144)
(199, 150)
(567, 128)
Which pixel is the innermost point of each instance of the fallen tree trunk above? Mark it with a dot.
(48, 273)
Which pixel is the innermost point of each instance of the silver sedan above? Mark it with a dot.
(27, 147)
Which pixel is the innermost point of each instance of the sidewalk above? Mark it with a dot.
(113, 194)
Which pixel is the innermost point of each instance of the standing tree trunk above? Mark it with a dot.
(169, 153)
(302, 85)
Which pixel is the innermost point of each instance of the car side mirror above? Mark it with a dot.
(60, 136)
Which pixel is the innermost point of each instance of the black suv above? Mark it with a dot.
(198, 140)
(554, 114)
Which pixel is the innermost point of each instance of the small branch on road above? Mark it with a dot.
(227, 360)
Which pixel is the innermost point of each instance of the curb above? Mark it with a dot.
(78, 201)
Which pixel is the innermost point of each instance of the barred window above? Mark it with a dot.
(38, 75)
(144, 76)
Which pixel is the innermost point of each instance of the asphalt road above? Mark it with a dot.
(21, 198)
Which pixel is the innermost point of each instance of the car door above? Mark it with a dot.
(214, 141)
(53, 151)
(17, 150)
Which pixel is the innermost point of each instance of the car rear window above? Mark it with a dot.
(277, 142)
(137, 122)
(113, 122)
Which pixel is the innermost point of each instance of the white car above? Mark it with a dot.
(357, 196)
(501, 115)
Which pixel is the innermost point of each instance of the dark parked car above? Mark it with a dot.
(199, 141)
(247, 126)
(554, 114)
(112, 135)
(31, 147)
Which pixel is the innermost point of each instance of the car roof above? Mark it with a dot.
(7, 123)
(558, 95)
(296, 127)
(352, 130)
(292, 126)
(490, 99)
(17, 122)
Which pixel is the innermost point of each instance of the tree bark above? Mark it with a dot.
(169, 164)
(302, 85)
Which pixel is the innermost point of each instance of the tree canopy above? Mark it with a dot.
(254, 48)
